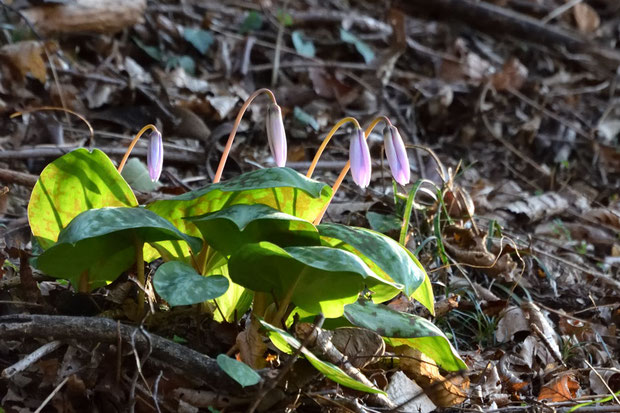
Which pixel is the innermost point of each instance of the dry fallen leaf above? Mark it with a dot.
(26, 57)
(586, 18)
(443, 391)
(512, 76)
(560, 389)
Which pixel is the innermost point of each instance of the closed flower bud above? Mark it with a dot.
(396, 155)
(276, 135)
(359, 155)
(155, 155)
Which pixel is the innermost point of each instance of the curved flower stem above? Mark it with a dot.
(132, 144)
(233, 132)
(57, 108)
(328, 138)
(347, 166)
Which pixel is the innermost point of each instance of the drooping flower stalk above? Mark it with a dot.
(57, 108)
(328, 138)
(133, 143)
(275, 132)
(155, 155)
(347, 166)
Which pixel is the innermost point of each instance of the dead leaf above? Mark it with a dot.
(25, 58)
(560, 389)
(408, 395)
(251, 345)
(443, 391)
(539, 206)
(586, 17)
(611, 378)
(512, 76)
(359, 345)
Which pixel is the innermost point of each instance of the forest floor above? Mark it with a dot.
(518, 99)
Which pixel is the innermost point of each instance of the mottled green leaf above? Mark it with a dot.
(102, 242)
(180, 284)
(70, 185)
(228, 229)
(281, 188)
(399, 328)
(323, 279)
(383, 223)
(386, 257)
(240, 372)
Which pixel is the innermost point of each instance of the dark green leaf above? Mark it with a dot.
(200, 39)
(361, 47)
(305, 118)
(180, 284)
(304, 47)
(102, 242)
(240, 372)
(228, 229)
(382, 254)
(253, 21)
(405, 329)
(383, 222)
(287, 343)
(308, 270)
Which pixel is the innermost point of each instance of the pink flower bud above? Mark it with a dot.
(276, 135)
(359, 155)
(155, 155)
(396, 155)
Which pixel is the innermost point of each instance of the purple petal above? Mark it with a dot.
(396, 155)
(155, 155)
(359, 155)
(276, 135)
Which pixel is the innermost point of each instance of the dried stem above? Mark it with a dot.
(132, 144)
(233, 132)
(56, 108)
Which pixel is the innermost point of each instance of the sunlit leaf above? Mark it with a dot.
(282, 339)
(323, 279)
(180, 284)
(281, 188)
(240, 372)
(386, 257)
(399, 328)
(70, 185)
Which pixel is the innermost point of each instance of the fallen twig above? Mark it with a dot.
(105, 330)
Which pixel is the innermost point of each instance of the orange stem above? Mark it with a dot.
(57, 108)
(233, 132)
(346, 168)
(328, 138)
(132, 144)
